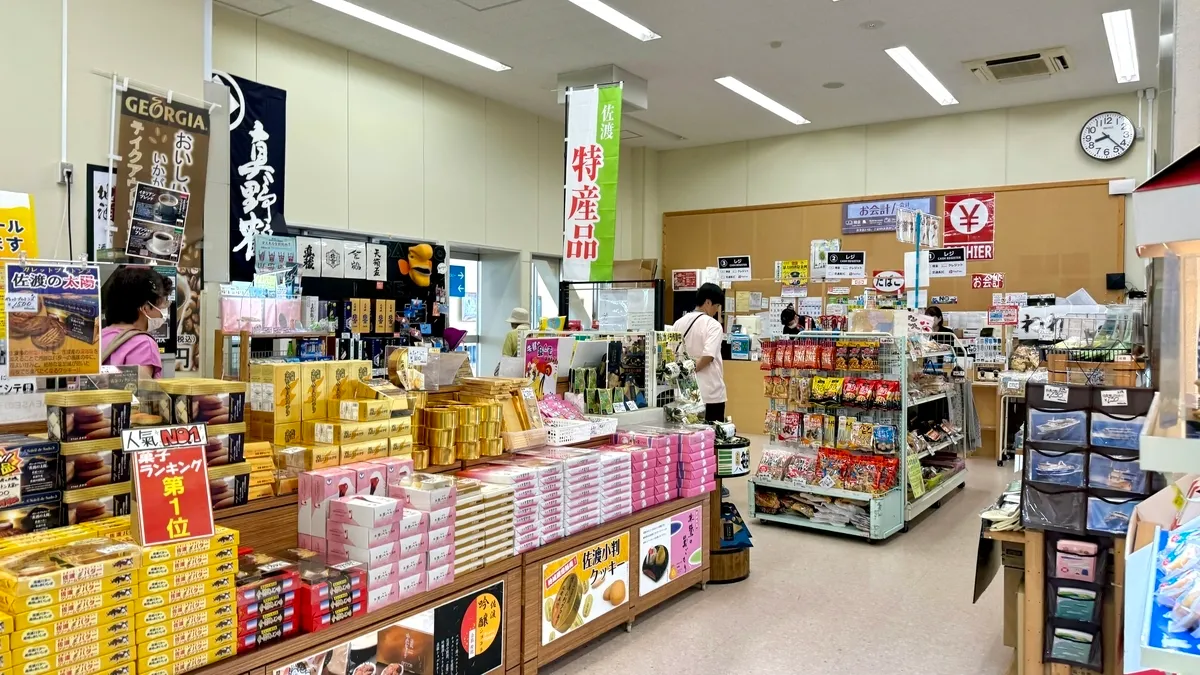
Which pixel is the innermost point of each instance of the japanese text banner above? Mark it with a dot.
(593, 154)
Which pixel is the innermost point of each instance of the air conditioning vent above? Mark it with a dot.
(1020, 67)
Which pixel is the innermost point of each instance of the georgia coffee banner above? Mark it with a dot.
(163, 145)
(593, 152)
(257, 143)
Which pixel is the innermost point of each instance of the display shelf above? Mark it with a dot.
(1154, 620)
(927, 399)
(922, 504)
(939, 447)
(1011, 536)
(814, 489)
(1163, 447)
(886, 510)
(806, 522)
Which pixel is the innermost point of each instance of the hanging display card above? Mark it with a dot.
(334, 255)
(948, 262)
(970, 223)
(171, 500)
(888, 281)
(793, 272)
(685, 280)
(846, 265)
(733, 268)
(818, 256)
(356, 260)
(156, 230)
(377, 262)
(272, 253)
(1003, 315)
(309, 256)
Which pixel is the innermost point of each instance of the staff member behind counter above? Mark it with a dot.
(702, 337)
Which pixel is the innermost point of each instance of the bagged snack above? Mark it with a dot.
(854, 361)
(841, 356)
(849, 391)
(885, 439)
(766, 357)
(845, 425)
(862, 436)
(803, 389)
(882, 392)
(814, 429)
(830, 432)
(865, 394)
(791, 422)
(827, 355)
(781, 388)
(869, 358)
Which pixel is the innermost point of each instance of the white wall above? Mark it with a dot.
(1014, 146)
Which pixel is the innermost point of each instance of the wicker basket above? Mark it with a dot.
(566, 432)
(602, 426)
(523, 440)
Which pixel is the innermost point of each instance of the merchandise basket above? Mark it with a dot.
(566, 432)
(521, 440)
(602, 426)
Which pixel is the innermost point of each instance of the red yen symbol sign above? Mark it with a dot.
(970, 216)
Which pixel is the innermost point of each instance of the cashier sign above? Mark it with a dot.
(170, 483)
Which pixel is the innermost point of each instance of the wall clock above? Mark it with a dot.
(1107, 136)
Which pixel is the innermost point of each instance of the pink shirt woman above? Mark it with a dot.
(136, 303)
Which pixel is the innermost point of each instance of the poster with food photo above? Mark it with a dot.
(669, 549)
(584, 586)
(53, 320)
(159, 216)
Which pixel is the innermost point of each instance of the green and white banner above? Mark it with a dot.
(593, 153)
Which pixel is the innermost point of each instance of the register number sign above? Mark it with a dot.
(170, 483)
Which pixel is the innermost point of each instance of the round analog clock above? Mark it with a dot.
(1107, 136)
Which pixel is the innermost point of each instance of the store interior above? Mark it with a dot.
(497, 337)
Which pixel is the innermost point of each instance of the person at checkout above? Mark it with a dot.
(702, 338)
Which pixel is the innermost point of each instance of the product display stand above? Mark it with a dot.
(729, 565)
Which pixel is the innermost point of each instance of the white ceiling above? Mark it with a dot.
(706, 39)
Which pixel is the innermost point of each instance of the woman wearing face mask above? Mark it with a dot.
(135, 305)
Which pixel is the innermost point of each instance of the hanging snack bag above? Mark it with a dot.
(814, 428)
(895, 395)
(869, 357)
(841, 358)
(849, 390)
(882, 391)
(820, 385)
(828, 355)
(862, 436)
(844, 427)
(781, 388)
(803, 388)
(767, 355)
(854, 360)
(830, 432)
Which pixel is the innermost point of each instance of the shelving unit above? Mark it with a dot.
(890, 511)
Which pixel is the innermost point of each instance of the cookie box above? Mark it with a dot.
(364, 410)
(229, 485)
(307, 457)
(365, 511)
(319, 582)
(50, 662)
(177, 595)
(250, 641)
(73, 624)
(117, 599)
(378, 598)
(440, 556)
(228, 448)
(53, 567)
(400, 425)
(369, 477)
(117, 662)
(188, 578)
(316, 489)
(362, 537)
(87, 415)
(340, 433)
(314, 390)
(410, 586)
(226, 621)
(439, 576)
(170, 640)
(223, 538)
(220, 602)
(90, 504)
(188, 657)
(309, 606)
(317, 622)
(38, 512)
(262, 576)
(274, 433)
(400, 446)
(30, 465)
(94, 642)
(424, 492)
(85, 466)
(440, 537)
(258, 450)
(178, 649)
(376, 556)
(183, 564)
(213, 402)
(266, 605)
(275, 392)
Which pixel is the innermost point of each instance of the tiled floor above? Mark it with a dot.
(820, 604)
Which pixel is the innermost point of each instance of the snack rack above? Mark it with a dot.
(890, 508)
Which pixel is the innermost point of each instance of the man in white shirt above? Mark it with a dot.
(702, 338)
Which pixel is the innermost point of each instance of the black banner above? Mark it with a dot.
(257, 149)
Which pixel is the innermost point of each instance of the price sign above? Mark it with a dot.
(418, 356)
(948, 262)
(839, 290)
(1113, 398)
(1003, 315)
(21, 303)
(733, 268)
(846, 265)
(1055, 394)
(171, 494)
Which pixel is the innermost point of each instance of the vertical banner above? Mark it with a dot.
(593, 152)
(257, 144)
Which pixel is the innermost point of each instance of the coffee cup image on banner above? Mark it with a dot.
(155, 204)
(154, 241)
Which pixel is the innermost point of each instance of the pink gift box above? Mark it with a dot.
(696, 454)
(315, 490)
(441, 517)
(436, 578)
(364, 510)
(411, 565)
(371, 478)
(582, 525)
(362, 537)
(397, 467)
(441, 537)
(384, 575)
(382, 597)
(443, 555)
(698, 490)
(423, 500)
(371, 558)
(411, 585)
(412, 522)
(411, 545)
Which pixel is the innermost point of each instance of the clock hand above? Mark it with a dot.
(1109, 138)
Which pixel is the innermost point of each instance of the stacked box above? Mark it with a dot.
(697, 461)
(526, 495)
(650, 468)
(616, 483)
(548, 477)
(329, 594)
(581, 486)
(315, 489)
(274, 402)
(265, 600)
(81, 473)
(498, 533)
(469, 517)
(368, 530)
(67, 605)
(436, 498)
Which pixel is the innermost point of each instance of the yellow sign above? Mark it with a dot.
(794, 272)
(583, 586)
(18, 229)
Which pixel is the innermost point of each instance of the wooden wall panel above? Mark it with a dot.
(1050, 238)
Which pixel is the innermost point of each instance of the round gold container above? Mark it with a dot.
(468, 414)
(440, 418)
(442, 456)
(469, 450)
(489, 430)
(420, 458)
(439, 438)
(492, 412)
(468, 432)
(492, 447)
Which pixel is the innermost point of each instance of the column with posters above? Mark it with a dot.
(593, 153)
(257, 160)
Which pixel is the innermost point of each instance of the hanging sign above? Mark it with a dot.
(272, 253)
(18, 228)
(159, 217)
(171, 493)
(970, 223)
(53, 320)
(310, 256)
(593, 152)
(377, 269)
(864, 217)
(163, 145)
(685, 280)
(1003, 315)
(257, 161)
(846, 265)
(818, 256)
(948, 262)
(909, 221)
(355, 260)
(457, 281)
(793, 272)
(988, 280)
(334, 258)
(945, 299)
(888, 281)
(1021, 299)
(733, 268)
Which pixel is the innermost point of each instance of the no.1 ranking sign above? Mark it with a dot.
(170, 483)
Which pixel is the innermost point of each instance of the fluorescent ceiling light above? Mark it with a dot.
(742, 89)
(412, 33)
(612, 16)
(917, 71)
(1122, 45)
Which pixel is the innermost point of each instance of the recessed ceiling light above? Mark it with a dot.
(745, 91)
(1122, 45)
(917, 71)
(834, 85)
(411, 33)
(612, 16)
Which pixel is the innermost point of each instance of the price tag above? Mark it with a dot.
(631, 405)
(1012, 384)
(858, 282)
(1056, 394)
(827, 482)
(1124, 358)
(21, 303)
(1112, 398)
(418, 356)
